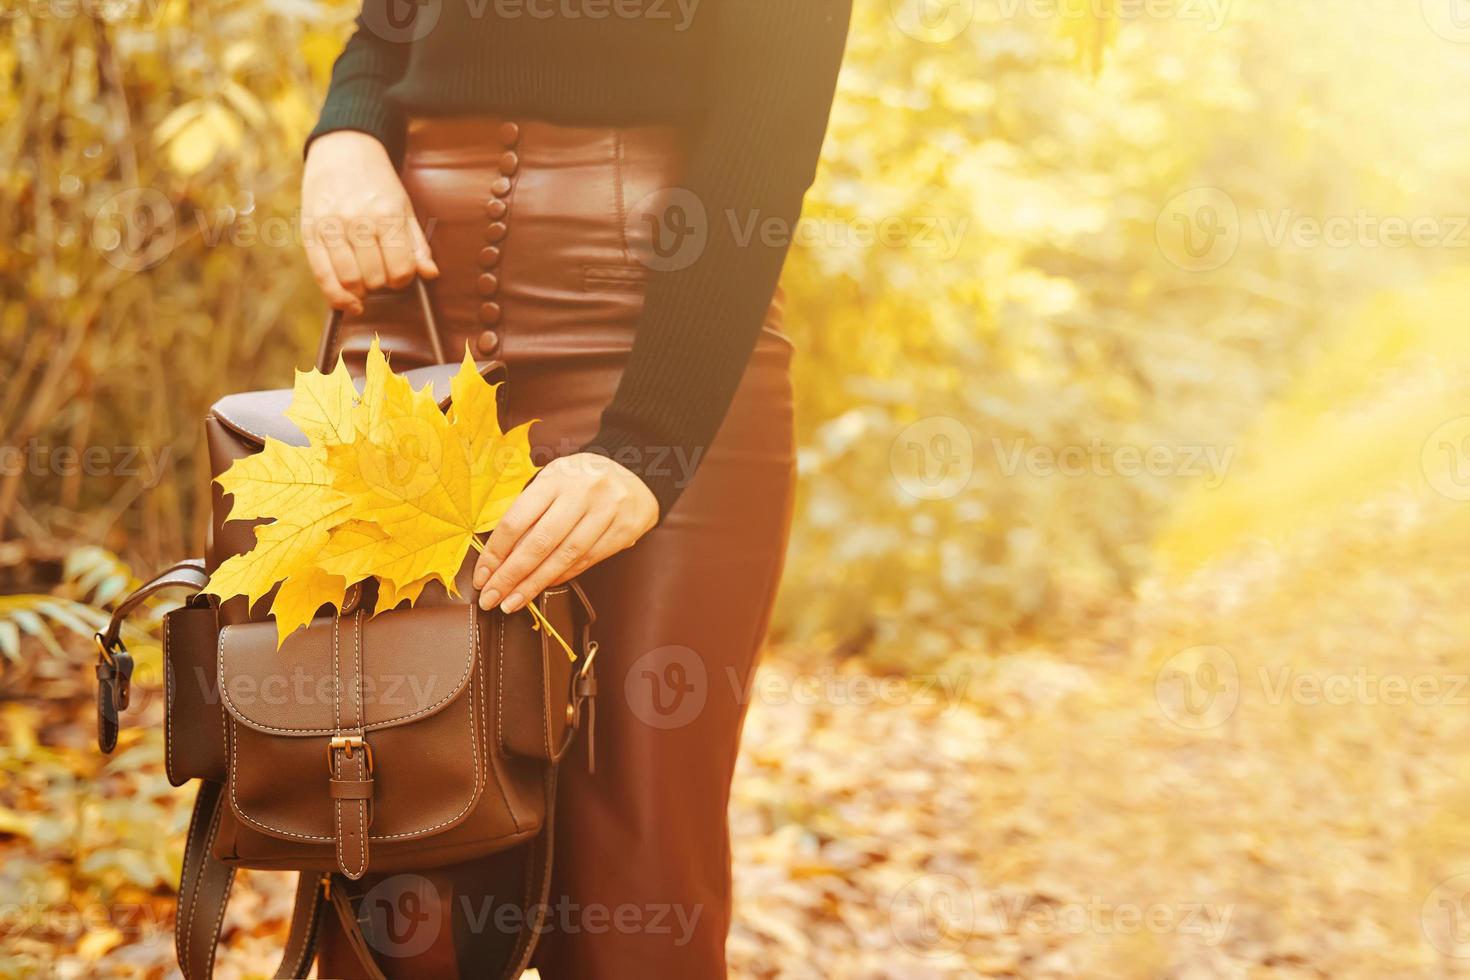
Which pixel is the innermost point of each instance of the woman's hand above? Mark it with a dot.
(579, 510)
(357, 222)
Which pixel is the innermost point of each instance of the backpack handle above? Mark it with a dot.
(114, 663)
(431, 328)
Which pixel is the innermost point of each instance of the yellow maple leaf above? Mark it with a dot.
(350, 549)
(431, 482)
(282, 548)
(500, 463)
(390, 596)
(322, 404)
(384, 393)
(390, 487)
(301, 595)
(356, 545)
(280, 479)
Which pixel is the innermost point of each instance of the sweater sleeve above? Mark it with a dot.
(752, 159)
(375, 57)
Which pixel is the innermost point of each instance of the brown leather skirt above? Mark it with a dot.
(528, 223)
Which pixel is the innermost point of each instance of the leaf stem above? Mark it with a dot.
(536, 614)
(542, 621)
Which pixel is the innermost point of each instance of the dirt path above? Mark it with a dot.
(1262, 773)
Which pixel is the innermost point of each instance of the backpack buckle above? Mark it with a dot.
(348, 744)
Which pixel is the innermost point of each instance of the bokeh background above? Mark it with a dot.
(1124, 629)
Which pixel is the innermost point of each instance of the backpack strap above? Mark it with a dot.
(114, 663)
(326, 354)
(204, 893)
(350, 757)
(538, 885)
(206, 882)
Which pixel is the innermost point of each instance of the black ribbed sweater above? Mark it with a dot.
(752, 82)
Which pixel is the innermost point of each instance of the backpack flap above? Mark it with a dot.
(357, 730)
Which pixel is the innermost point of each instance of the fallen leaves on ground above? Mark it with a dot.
(1060, 812)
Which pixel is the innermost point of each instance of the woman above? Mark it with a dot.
(600, 194)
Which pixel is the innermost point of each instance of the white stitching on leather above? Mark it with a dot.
(357, 666)
(220, 915)
(299, 966)
(232, 424)
(188, 914)
(545, 683)
(207, 850)
(168, 695)
(248, 722)
(337, 717)
(484, 729)
(545, 680)
(361, 805)
(421, 832)
(500, 683)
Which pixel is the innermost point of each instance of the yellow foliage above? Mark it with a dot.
(1092, 27)
(322, 404)
(390, 487)
(1385, 406)
(284, 547)
(281, 479)
(989, 248)
(300, 596)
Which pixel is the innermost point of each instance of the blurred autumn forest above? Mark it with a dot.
(1133, 373)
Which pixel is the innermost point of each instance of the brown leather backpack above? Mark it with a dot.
(414, 739)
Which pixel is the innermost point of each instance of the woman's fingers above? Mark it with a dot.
(397, 245)
(617, 536)
(326, 278)
(575, 552)
(422, 257)
(528, 507)
(344, 258)
(358, 222)
(506, 585)
(350, 259)
(579, 510)
(363, 236)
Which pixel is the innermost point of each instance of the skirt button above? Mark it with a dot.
(501, 187)
(489, 313)
(495, 232)
(487, 284)
(509, 133)
(489, 257)
(495, 209)
(487, 341)
(509, 162)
